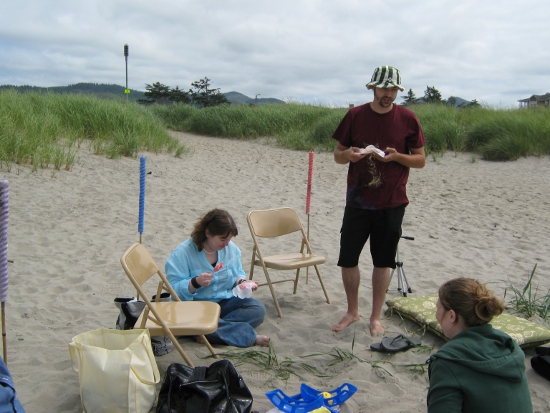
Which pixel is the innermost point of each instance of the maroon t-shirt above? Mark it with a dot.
(373, 184)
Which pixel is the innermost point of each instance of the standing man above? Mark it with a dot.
(376, 187)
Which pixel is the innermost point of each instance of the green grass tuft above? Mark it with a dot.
(527, 301)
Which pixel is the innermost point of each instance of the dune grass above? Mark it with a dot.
(442, 129)
(283, 370)
(45, 130)
(294, 126)
(496, 135)
(510, 134)
(268, 361)
(274, 368)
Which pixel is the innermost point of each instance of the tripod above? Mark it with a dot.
(402, 283)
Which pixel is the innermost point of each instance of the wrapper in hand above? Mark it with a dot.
(244, 289)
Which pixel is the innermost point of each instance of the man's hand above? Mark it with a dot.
(343, 155)
(416, 159)
(354, 154)
(391, 155)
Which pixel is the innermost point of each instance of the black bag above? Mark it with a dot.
(218, 388)
(541, 362)
(130, 310)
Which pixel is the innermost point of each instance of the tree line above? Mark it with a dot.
(200, 94)
(432, 95)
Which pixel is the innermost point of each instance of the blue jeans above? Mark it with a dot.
(238, 318)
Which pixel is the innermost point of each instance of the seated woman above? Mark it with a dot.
(480, 369)
(190, 271)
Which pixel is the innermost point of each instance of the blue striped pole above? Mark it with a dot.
(141, 196)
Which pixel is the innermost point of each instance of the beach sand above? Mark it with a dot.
(67, 232)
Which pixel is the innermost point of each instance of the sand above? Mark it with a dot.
(469, 217)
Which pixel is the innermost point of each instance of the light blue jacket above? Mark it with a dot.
(187, 262)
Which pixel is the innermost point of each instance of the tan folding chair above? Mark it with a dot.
(271, 223)
(168, 318)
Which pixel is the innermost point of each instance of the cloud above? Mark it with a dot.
(319, 51)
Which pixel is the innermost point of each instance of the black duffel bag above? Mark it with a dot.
(218, 388)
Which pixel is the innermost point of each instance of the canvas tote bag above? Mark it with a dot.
(117, 370)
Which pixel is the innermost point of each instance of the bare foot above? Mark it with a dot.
(199, 339)
(376, 328)
(345, 321)
(262, 340)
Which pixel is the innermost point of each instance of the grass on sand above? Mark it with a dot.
(45, 130)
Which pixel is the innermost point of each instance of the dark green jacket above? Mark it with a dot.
(479, 370)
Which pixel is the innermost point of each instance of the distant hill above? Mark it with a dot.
(111, 91)
(457, 101)
(451, 101)
(237, 98)
(102, 91)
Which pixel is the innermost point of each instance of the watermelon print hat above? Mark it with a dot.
(385, 77)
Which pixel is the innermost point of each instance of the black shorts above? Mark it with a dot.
(383, 226)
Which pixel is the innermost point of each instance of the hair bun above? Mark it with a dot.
(488, 306)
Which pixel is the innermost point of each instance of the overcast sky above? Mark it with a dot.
(325, 51)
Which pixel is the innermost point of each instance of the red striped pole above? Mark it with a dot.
(308, 199)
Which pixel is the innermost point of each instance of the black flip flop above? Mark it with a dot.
(377, 347)
(399, 343)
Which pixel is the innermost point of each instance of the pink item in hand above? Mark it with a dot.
(245, 284)
(244, 289)
(218, 266)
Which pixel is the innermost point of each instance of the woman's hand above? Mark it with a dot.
(242, 283)
(204, 279)
(243, 288)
